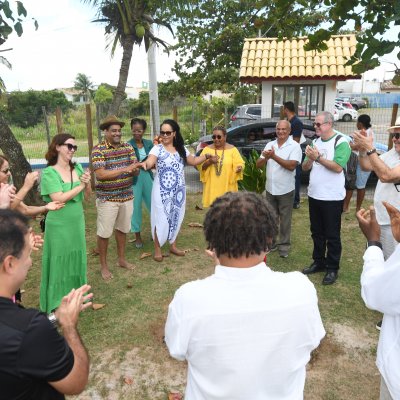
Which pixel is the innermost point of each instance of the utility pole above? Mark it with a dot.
(153, 90)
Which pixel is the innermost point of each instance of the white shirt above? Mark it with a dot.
(246, 333)
(380, 283)
(280, 180)
(387, 191)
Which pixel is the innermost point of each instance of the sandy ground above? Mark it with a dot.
(343, 367)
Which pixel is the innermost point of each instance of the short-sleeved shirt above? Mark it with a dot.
(108, 157)
(281, 180)
(296, 126)
(32, 353)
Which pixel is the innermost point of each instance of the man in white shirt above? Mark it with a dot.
(326, 158)
(387, 168)
(246, 332)
(380, 281)
(281, 157)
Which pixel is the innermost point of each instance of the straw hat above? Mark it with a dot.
(111, 120)
(396, 124)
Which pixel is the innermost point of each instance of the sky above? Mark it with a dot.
(68, 43)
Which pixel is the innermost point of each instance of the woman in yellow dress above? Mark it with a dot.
(222, 175)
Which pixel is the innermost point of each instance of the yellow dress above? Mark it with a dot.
(215, 186)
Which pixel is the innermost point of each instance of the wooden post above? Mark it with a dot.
(89, 139)
(46, 124)
(98, 112)
(175, 113)
(59, 119)
(395, 109)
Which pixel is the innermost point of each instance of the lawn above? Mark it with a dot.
(125, 338)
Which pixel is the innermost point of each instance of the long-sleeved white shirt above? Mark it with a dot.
(380, 290)
(246, 333)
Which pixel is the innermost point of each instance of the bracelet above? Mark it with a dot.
(53, 319)
(319, 156)
(372, 151)
(374, 243)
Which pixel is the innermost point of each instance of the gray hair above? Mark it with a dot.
(328, 117)
(287, 123)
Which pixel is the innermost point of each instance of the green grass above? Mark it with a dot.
(136, 305)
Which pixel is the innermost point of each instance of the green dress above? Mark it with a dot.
(64, 260)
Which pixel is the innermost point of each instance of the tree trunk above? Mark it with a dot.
(12, 149)
(119, 94)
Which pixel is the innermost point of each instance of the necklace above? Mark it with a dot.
(218, 165)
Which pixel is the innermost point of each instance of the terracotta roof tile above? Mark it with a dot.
(270, 59)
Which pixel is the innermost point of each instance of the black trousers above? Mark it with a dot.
(325, 225)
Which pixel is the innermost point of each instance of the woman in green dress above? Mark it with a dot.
(64, 259)
(142, 184)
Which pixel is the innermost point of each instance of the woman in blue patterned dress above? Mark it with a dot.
(168, 197)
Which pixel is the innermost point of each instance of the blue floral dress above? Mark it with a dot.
(168, 197)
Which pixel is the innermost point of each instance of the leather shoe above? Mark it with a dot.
(330, 278)
(313, 268)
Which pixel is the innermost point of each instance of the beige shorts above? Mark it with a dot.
(113, 215)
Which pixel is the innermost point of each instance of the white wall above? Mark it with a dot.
(330, 93)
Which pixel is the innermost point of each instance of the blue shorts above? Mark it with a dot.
(362, 177)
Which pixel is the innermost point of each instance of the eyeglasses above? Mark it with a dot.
(70, 146)
(318, 124)
(166, 133)
(5, 171)
(395, 135)
(138, 131)
(219, 137)
(397, 186)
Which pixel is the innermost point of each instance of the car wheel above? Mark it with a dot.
(346, 118)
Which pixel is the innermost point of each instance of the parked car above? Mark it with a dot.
(345, 104)
(346, 114)
(256, 135)
(357, 103)
(245, 114)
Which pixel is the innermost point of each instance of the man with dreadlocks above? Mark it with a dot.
(246, 331)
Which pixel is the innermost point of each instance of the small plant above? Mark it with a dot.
(253, 178)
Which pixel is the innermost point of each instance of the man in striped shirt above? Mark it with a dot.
(114, 164)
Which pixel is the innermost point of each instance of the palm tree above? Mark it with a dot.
(128, 22)
(84, 85)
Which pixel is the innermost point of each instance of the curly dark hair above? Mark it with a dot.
(240, 223)
(178, 142)
(13, 228)
(52, 153)
(139, 121)
(220, 128)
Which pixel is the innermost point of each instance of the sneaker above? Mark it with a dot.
(379, 325)
(284, 255)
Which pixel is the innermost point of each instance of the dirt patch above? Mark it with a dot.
(341, 368)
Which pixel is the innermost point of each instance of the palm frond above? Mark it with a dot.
(5, 62)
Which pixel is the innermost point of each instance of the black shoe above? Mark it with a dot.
(330, 278)
(379, 325)
(296, 206)
(313, 268)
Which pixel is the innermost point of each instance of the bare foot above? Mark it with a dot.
(177, 252)
(106, 274)
(126, 265)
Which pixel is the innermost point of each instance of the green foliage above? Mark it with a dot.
(253, 178)
(84, 85)
(24, 109)
(103, 95)
(139, 106)
(211, 36)
(371, 19)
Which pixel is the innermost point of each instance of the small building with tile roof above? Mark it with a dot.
(289, 73)
(389, 87)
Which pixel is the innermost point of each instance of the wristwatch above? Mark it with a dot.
(318, 157)
(53, 319)
(374, 243)
(372, 151)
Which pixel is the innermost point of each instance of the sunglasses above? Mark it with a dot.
(166, 133)
(395, 135)
(6, 171)
(318, 124)
(219, 137)
(70, 146)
